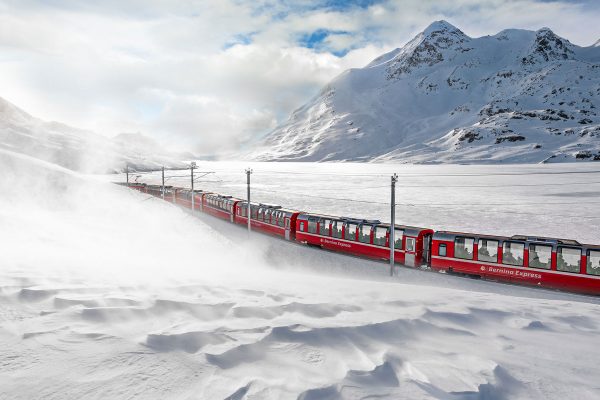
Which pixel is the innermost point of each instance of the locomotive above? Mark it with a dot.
(536, 261)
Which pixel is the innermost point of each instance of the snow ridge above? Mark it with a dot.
(77, 149)
(518, 96)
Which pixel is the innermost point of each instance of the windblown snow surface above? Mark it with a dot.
(106, 293)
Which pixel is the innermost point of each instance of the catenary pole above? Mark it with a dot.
(127, 173)
(163, 183)
(393, 223)
(192, 166)
(248, 173)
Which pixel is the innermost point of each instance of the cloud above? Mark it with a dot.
(208, 75)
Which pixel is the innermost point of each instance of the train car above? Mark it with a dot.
(546, 262)
(183, 197)
(140, 187)
(219, 206)
(365, 238)
(268, 218)
(157, 191)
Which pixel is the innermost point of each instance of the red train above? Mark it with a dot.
(537, 261)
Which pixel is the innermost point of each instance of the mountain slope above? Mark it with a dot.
(74, 148)
(518, 96)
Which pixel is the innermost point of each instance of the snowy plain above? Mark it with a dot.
(109, 293)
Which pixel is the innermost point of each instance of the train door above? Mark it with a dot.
(287, 228)
(427, 250)
(410, 251)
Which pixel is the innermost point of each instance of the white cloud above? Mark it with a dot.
(173, 70)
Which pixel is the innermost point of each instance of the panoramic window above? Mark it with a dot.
(324, 228)
(312, 226)
(380, 234)
(364, 234)
(463, 248)
(442, 250)
(512, 253)
(398, 235)
(254, 212)
(281, 219)
(351, 231)
(487, 250)
(568, 259)
(540, 256)
(593, 262)
(336, 229)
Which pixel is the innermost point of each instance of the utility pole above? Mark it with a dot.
(393, 223)
(163, 182)
(192, 166)
(248, 172)
(127, 173)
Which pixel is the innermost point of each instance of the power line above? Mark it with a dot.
(433, 175)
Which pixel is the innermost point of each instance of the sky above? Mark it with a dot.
(209, 75)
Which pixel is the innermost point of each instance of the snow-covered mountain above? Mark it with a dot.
(517, 96)
(77, 149)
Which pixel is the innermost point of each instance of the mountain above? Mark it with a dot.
(78, 149)
(517, 96)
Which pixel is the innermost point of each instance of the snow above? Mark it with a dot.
(109, 293)
(515, 97)
(78, 149)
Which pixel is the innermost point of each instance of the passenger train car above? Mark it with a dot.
(537, 261)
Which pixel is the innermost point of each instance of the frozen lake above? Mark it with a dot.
(543, 200)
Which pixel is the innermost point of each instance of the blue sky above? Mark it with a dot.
(206, 75)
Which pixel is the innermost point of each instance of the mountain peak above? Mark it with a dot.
(549, 47)
(441, 27)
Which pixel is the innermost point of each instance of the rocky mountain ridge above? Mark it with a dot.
(444, 97)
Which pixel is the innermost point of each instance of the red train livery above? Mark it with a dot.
(547, 262)
(365, 238)
(537, 261)
(267, 218)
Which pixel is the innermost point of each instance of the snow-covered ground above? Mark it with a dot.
(108, 293)
(543, 200)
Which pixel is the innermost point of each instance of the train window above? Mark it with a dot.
(540, 256)
(287, 223)
(261, 214)
(312, 226)
(398, 234)
(463, 248)
(324, 228)
(253, 212)
(351, 231)
(593, 262)
(379, 237)
(512, 253)
(336, 229)
(302, 225)
(280, 219)
(442, 250)
(268, 216)
(364, 235)
(568, 259)
(487, 250)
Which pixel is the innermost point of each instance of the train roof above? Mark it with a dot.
(270, 207)
(522, 238)
(363, 221)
